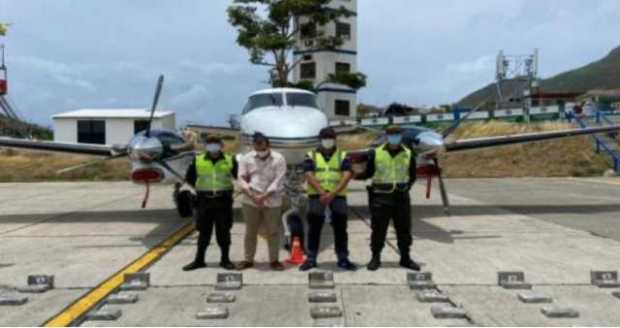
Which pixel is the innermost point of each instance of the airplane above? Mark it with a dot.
(292, 119)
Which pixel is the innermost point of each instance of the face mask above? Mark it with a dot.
(328, 143)
(213, 148)
(395, 139)
(262, 154)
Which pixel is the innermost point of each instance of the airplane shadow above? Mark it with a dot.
(168, 221)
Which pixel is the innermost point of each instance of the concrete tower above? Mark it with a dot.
(316, 63)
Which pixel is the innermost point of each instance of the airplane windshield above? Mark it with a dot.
(263, 100)
(301, 99)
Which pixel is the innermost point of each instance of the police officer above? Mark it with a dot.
(328, 173)
(392, 167)
(212, 175)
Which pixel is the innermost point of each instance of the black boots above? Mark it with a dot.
(307, 265)
(194, 266)
(407, 262)
(374, 263)
(199, 262)
(225, 262)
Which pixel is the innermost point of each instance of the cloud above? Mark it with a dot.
(427, 52)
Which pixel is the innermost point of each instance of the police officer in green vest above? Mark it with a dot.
(392, 167)
(328, 173)
(212, 174)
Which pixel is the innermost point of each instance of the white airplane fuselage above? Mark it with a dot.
(290, 118)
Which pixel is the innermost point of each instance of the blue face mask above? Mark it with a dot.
(394, 139)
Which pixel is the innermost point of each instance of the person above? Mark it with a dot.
(212, 175)
(261, 180)
(392, 167)
(328, 172)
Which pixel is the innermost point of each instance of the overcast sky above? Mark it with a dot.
(68, 54)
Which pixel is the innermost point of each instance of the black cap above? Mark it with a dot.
(393, 129)
(259, 137)
(213, 138)
(327, 133)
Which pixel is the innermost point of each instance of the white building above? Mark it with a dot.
(107, 126)
(338, 101)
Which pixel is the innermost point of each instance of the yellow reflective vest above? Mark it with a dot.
(327, 172)
(391, 170)
(214, 176)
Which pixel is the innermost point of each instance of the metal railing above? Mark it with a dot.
(599, 143)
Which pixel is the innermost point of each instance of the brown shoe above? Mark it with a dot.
(244, 265)
(277, 266)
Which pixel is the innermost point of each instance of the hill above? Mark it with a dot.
(11, 128)
(601, 74)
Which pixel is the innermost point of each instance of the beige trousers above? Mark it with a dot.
(266, 221)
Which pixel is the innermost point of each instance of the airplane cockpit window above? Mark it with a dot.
(263, 100)
(301, 99)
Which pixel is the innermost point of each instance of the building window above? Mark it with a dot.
(342, 108)
(140, 125)
(343, 68)
(308, 31)
(92, 132)
(343, 30)
(308, 71)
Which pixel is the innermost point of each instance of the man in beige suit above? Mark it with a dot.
(261, 178)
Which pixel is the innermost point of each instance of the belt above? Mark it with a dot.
(390, 188)
(215, 194)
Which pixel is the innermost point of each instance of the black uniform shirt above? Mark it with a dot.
(191, 176)
(370, 165)
(310, 166)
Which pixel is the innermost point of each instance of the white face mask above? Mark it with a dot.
(214, 148)
(328, 143)
(263, 154)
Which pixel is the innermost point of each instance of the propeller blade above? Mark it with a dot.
(160, 83)
(171, 170)
(442, 188)
(89, 163)
(447, 132)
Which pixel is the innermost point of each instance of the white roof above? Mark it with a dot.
(137, 113)
(281, 90)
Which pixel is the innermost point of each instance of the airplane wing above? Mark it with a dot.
(477, 143)
(85, 149)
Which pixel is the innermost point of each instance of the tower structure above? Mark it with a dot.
(521, 71)
(316, 63)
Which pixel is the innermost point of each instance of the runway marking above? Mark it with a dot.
(81, 306)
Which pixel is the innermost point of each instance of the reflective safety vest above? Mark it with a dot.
(391, 170)
(328, 173)
(214, 176)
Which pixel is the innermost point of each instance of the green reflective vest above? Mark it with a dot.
(328, 173)
(391, 170)
(214, 176)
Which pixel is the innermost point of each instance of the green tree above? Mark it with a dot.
(268, 30)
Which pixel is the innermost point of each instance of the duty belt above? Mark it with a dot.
(215, 194)
(390, 188)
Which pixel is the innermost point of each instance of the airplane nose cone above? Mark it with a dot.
(296, 122)
(430, 142)
(145, 149)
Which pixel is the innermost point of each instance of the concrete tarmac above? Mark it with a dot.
(554, 230)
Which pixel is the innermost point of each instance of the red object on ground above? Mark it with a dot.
(3, 87)
(429, 171)
(297, 253)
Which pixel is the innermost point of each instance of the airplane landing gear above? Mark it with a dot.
(184, 201)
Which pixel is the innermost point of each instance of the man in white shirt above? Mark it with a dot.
(261, 179)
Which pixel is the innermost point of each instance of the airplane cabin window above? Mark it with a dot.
(263, 100)
(301, 99)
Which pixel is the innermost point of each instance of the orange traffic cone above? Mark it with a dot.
(297, 253)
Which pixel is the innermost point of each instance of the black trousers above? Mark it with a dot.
(214, 213)
(383, 208)
(316, 218)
